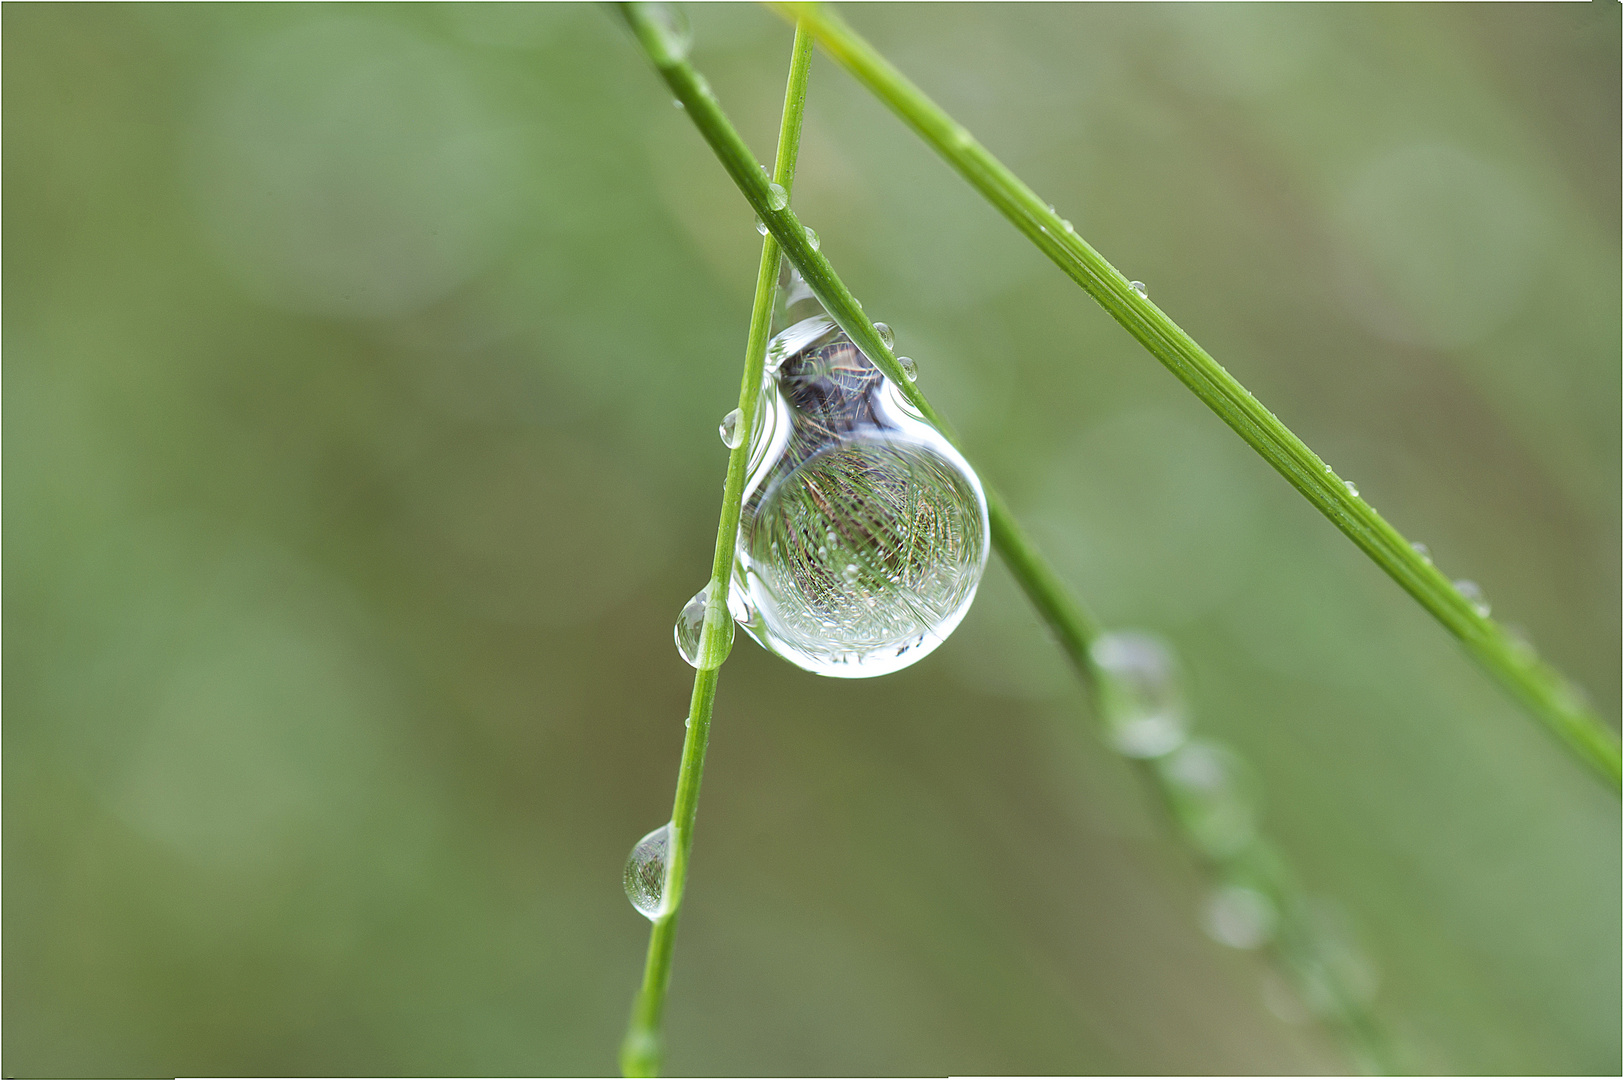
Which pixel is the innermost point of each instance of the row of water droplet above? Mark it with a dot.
(1213, 797)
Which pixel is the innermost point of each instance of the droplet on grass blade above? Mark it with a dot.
(648, 872)
(673, 34)
(731, 434)
(910, 368)
(1140, 288)
(1142, 702)
(864, 533)
(811, 238)
(776, 197)
(1239, 916)
(885, 335)
(690, 631)
(1474, 596)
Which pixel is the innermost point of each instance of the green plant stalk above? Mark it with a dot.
(642, 1051)
(1064, 613)
(1545, 692)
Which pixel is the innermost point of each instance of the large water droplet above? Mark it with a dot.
(1206, 785)
(673, 35)
(1140, 288)
(864, 532)
(648, 872)
(1239, 917)
(776, 197)
(690, 633)
(885, 335)
(1474, 596)
(732, 434)
(1139, 692)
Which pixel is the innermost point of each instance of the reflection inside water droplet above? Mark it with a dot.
(864, 532)
(648, 872)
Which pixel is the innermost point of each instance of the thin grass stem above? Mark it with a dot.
(1065, 614)
(642, 1051)
(1553, 699)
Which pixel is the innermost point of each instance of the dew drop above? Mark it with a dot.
(1474, 596)
(864, 534)
(1139, 692)
(776, 197)
(1068, 226)
(690, 633)
(672, 32)
(648, 872)
(760, 226)
(1205, 785)
(1239, 917)
(678, 103)
(1352, 488)
(1423, 551)
(885, 335)
(732, 434)
(811, 238)
(909, 368)
(1139, 288)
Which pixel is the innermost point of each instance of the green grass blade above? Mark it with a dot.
(642, 1051)
(1545, 692)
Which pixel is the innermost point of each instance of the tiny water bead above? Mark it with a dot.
(672, 32)
(910, 368)
(885, 335)
(1352, 488)
(1140, 288)
(690, 631)
(811, 238)
(776, 197)
(1239, 916)
(648, 872)
(1474, 596)
(1423, 551)
(864, 533)
(731, 434)
(1139, 693)
(1207, 786)
(760, 226)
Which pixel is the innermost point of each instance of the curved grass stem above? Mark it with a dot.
(1060, 608)
(642, 1051)
(1543, 690)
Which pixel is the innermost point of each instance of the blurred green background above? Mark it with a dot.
(362, 373)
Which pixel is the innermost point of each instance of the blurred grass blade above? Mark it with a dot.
(642, 1051)
(1545, 692)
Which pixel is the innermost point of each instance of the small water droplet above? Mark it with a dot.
(811, 238)
(1068, 226)
(822, 551)
(648, 872)
(690, 632)
(1139, 288)
(760, 226)
(1139, 692)
(1204, 785)
(909, 368)
(1239, 917)
(672, 32)
(776, 197)
(731, 433)
(1423, 551)
(678, 103)
(885, 335)
(1352, 488)
(1474, 596)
